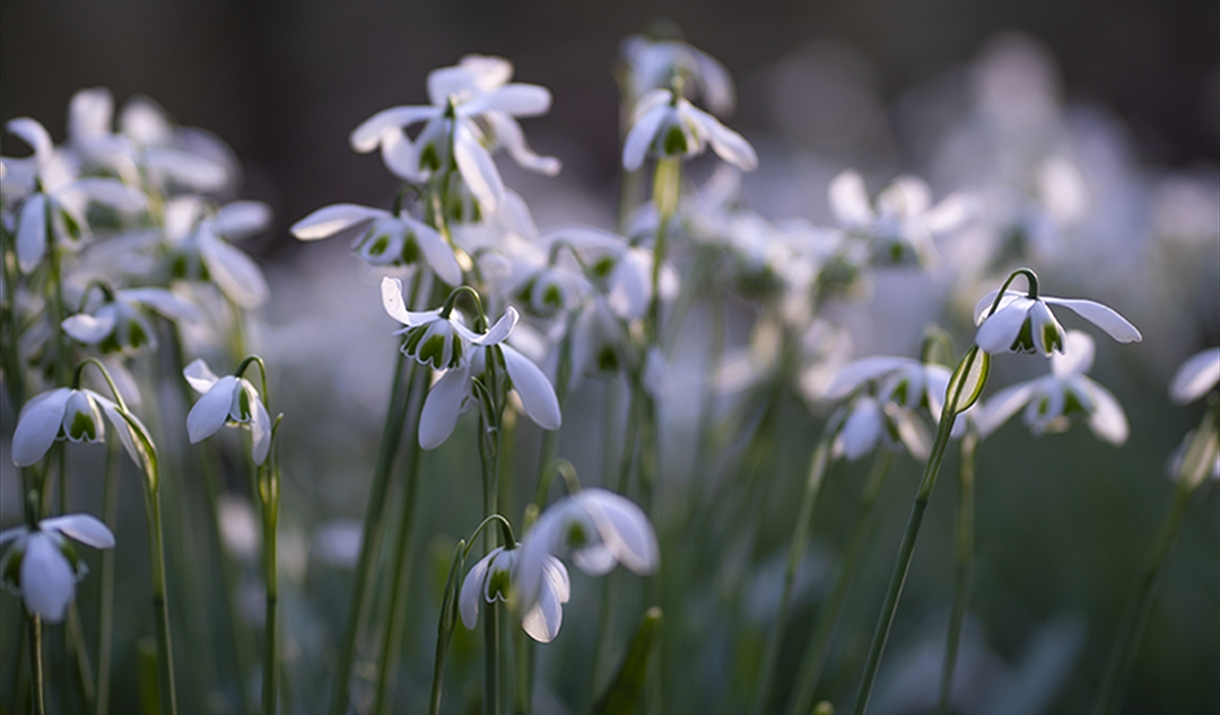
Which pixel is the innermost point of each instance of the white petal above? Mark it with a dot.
(997, 333)
(595, 559)
(34, 134)
(517, 99)
(1108, 421)
(365, 137)
(641, 135)
(1077, 355)
(47, 581)
(1102, 316)
(861, 429)
(536, 393)
(542, 622)
(854, 374)
(728, 144)
(983, 307)
(911, 431)
(849, 200)
(38, 425)
(32, 233)
(906, 197)
(85, 528)
(88, 329)
(10, 534)
(188, 169)
(1045, 329)
(1003, 405)
(477, 167)
(237, 275)
(1196, 376)
(200, 376)
(239, 219)
(624, 528)
(535, 550)
(165, 302)
(123, 429)
(212, 410)
(716, 83)
(472, 589)
(329, 220)
(509, 135)
(443, 406)
(110, 192)
(89, 113)
(437, 252)
(260, 429)
(499, 331)
(401, 155)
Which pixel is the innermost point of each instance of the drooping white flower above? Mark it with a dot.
(446, 344)
(71, 414)
(597, 529)
(901, 222)
(653, 64)
(228, 400)
(42, 567)
(1025, 324)
(119, 324)
(389, 240)
(1196, 377)
(491, 580)
(1053, 402)
(473, 112)
(200, 248)
(668, 125)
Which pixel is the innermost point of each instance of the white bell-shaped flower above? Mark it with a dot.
(228, 400)
(1196, 377)
(119, 324)
(1024, 324)
(668, 125)
(68, 414)
(654, 63)
(42, 566)
(200, 248)
(491, 580)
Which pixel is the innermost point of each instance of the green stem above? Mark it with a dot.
(105, 638)
(36, 671)
(445, 626)
(814, 661)
(165, 657)
(269, 491)
(796, 552)
(10, 359)
(391, 435)
(964, 556)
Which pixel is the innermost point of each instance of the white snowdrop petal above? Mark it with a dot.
(857, 372)
(164, 302)
(199, 376)
(472, 589)
(38, 425)
(542, 622)
(997, 333)
(500, 330)
(1102, 316)
(211, 411)
(122, 429)
(88, 329)
(236, 274)
(260, 429)
(90, 112)
(47, 581)
(401, 156)
(33, 133)
(849, 200)
(911, 431)
(239, 219)
(535, 391)
(1003, 405)
(624, 528)
(111, 192)
(32, 233)
(1196, 376)
(641, 135)
(535, 550)
(862, 428)
(517, 99)
(477, 167)
(728, 144)
(443, 406)
(983, 307)
(1077, 355)
(189, 169)
(329, 220)
(437, 252)
(595, 559)
(1107, 420)
(85, 528)
(365, 137)
(508, 133)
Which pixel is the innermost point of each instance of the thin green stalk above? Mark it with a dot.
(105, 638)
(964, 557)
(165, 658)
(14, 376)
(74, 645)
(445, 625)
(391, 435)
(269, 492)
(550, 438)
(796, 553)
(34, 623)
(814, 661)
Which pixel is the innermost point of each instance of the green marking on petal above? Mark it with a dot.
(1052, 339)
(432, 351)
(83, 427)
(576, 535)
(673, 142)
(1024, 342)
(410, 249)
(498, 585)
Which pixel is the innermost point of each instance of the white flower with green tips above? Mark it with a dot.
(200, 247)
(668, 125)
(43, 567)
(68, 414)
(228, 400)
(1026, 324)
(491, 580)
(119, 323)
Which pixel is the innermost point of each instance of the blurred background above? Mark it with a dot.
(885, 86)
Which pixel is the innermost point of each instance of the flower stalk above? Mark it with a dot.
(964, 557)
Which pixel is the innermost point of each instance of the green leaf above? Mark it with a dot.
(624, 693)
(146, 677)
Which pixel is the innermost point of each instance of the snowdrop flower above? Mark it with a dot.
(901, 222)
(1053, 402)
(669, 125)
(175, 157)
(70, 414)
(622, 271)
(1196, 377)
(42, 567)
(55, 196)
(597, 529)
(654, 63)
(119, 324)
(199, 249)
(473, 109)
(491, 580)
(228, 400)
(389, 240)
(868, 423)
(444, 343)
(1025, 323)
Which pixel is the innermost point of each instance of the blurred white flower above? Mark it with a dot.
(1053, 402)
(118, 323)
(597, 529)
(228, 400)
(43, 568)
(1024, 324)
(491, 580)
(1196, 377)
(199, 249)
(65, 413)
(390, 240)
(654, 64)
(669, 125)
(472, 113)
